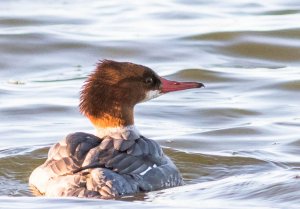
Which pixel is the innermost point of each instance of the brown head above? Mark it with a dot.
(110, 93)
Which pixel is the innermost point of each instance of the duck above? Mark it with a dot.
(117, 160)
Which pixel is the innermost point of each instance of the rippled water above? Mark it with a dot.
(236, 142)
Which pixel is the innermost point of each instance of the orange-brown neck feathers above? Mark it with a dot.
(106, 120)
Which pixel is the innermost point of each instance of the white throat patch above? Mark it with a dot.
(151, 95)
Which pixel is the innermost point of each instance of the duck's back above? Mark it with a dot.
(84, 165)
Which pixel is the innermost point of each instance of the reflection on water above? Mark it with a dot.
(236, 142)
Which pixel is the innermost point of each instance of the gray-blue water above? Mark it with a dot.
(236, 142)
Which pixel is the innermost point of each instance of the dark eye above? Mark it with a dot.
(149, 80)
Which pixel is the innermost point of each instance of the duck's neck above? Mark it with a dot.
(117, 122)
(113, 117)
(122, 132)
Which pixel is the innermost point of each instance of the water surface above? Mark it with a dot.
(236, 142)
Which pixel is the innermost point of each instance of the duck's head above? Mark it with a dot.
(110, 93)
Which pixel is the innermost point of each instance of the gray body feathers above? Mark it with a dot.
(84, 165)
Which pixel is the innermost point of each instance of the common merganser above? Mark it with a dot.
(118, 160)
